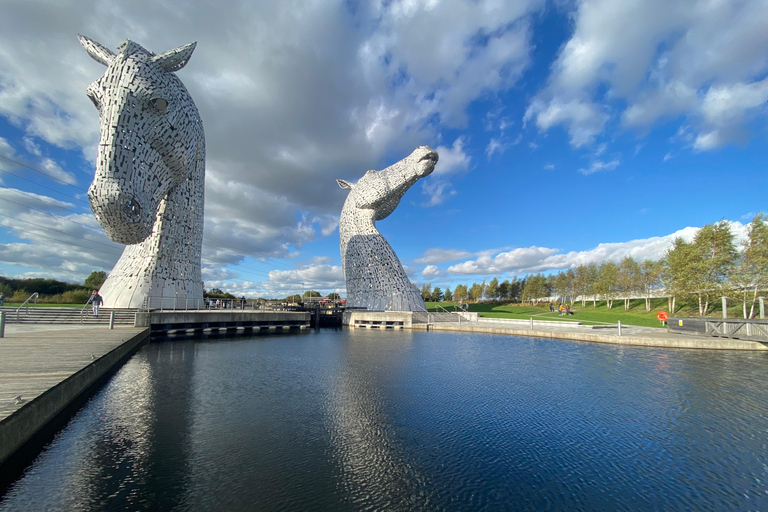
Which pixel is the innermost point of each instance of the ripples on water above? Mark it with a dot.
(368, 420)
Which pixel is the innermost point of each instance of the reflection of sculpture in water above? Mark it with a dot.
(375, 278)
(148, 189)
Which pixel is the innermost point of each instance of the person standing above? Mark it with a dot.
(95, 301)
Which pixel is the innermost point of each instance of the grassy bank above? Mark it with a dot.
(588, 314)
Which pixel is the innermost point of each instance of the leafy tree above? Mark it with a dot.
(334, 296)
(536, 287)
(296, 298)
(650, 274)
(460, 293)
(516, 289)
(448, 295)
(504, 290)
(628, 279)
(426, 291)
(715, 255)
(678, 271)
(751, 273)
(437, 294)
(476, 292)
(606, 281)
(95, 280)
(491, 291)
(312, 293)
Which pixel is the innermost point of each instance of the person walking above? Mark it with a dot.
(95, 301)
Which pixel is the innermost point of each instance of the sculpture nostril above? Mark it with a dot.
(131, 210)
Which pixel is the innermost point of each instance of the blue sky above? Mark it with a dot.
(569, 132)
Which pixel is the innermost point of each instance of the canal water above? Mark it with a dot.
(402, 420)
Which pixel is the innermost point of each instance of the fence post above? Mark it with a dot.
(619, 327)
(2, 324)
(111, 319)
(762, 307)
(725, 307)
(531, 323)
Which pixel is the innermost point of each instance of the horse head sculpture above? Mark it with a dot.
(374, 275)
(147, 191)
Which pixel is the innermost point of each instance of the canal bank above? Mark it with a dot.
(46, 369)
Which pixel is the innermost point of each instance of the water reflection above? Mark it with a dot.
(350, 420)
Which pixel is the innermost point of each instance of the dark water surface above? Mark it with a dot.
(369, 420)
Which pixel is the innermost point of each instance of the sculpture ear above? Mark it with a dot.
(174, 60)
(344, 184)
(97, 52)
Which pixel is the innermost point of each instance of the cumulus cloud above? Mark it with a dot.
(438, 255)
(598, 166)
(699, 59)
(535, 259)
(430, 272)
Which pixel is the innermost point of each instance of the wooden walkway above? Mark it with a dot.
(47, 363)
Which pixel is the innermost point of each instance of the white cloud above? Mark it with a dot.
(543, 259)
(598, 166)
(642, 61)
(430, 272)
(438, 255)
(452, 161)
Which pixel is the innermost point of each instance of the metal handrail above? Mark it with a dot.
(26, 303)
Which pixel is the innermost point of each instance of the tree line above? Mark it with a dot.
(704, 269)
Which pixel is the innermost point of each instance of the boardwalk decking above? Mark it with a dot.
(48, 366)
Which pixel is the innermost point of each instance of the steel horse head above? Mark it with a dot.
(148, 187)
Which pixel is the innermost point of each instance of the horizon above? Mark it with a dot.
(566, 136)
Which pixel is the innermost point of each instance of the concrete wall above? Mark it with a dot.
(193, 317)
(352, 318)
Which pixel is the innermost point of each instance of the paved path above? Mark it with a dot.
(630, 335)
(35, 358)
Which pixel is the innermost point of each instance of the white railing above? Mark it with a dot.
(26, 303)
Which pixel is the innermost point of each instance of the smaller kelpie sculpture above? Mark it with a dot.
(375, 278)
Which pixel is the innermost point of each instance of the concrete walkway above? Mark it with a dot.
(630, 335)
(49, 366)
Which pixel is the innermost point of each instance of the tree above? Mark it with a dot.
(437, 294)
(476, 292)
(606, 281)
(751, 273)
(678, 272)
(460, 293)
(296, 298)
(312, 293)
(426, 291)
(628, 279)
(334, 296)
(492, 289)
(504, 290)
(448, 295)
(650, 272)
(95, 280)
(715, 256)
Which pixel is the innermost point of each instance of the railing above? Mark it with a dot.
(26, 303)
(753, 329)
(183, 304)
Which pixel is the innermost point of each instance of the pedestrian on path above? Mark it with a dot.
(95, 301)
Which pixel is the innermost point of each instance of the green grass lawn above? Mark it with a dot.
(587, 314)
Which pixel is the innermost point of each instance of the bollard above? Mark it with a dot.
(725, 307)
(111, 319)
(2, 324)
(531, 323)
(762, 307)
(619, 327)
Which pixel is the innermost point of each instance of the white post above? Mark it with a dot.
(531, 323)
(111, 319)
(762, 307)
(619, 327)
(725, 307)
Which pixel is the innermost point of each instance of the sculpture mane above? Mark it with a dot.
(148, 189)
(375, 278)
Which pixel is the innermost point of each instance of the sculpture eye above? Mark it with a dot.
(160, 104)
